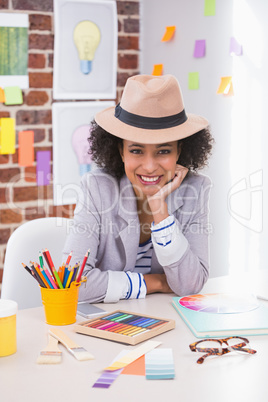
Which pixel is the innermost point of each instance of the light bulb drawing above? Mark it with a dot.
(86, 37)
(81, 147)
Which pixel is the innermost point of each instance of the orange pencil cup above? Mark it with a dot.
(60, 305)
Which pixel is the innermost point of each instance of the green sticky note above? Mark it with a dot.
(13, 96)
(193, 81)
(210, 7)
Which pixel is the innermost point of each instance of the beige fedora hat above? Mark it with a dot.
(151, 111)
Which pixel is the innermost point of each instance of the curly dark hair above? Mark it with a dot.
(104, 148)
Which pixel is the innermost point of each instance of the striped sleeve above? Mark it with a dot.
(169, 242)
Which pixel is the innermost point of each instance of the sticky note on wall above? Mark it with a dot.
(210, 7)
(168, 35)
(2, 96)
(158, 69)
(226, 86)
(7, 135)
(13, 96)
(200, 48)
(43, 169)
(193, 80)
(26, 148)
(235, 47)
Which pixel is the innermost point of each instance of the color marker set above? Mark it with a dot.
(49, 277)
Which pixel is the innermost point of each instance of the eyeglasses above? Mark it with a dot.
(215, 347)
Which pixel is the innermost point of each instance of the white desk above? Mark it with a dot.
(231, 378)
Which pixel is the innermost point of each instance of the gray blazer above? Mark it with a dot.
(106, 222)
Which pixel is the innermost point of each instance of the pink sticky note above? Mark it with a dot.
(235, 47)
(200, 48)
(43, 169)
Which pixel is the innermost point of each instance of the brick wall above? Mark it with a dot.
(21, 199)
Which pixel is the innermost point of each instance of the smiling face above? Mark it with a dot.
(149, 167)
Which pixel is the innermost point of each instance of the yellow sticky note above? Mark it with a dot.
(26, 148)
(210, 7)
(158, 69)
(193, 80)
(13, 96)
(226, 86)
(169, 33)
(7, 135)
(2, 96)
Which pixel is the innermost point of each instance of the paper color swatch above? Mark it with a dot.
(43, 168)
(235, 47)
(136, 368)
(200, 48)
(13, 96)
(7, 136)
(226, 86)
(168, 35)
(193, 80)
(133, 355)
(106, 379)
(26, 148)
(210, 7)
(159, 365)
(2, 96)
(158, 69)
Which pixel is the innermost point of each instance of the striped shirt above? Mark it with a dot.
(144, 257)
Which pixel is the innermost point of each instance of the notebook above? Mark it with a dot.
(210, 325)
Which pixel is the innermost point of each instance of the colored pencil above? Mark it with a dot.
(48, 262)
(69, 258)
(65, 272)
(69, 278)
(27, 268)
(82, 266)
(46, 273)
(41, 260)
(54, 285)
(41, 275)
(76, 267)
(47, 278)
(55, 273)
(61, 272)
(37, 277)
(66, 276)
(30, 272)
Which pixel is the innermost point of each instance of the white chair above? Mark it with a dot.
(23, 246)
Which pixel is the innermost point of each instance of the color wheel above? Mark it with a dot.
(219, 303)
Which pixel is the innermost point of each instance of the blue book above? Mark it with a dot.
(212, 325)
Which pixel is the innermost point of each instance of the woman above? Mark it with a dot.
(144, 214)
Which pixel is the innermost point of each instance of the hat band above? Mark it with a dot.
(149, 123)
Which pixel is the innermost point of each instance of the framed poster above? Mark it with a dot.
(85, 49)
(14, 50)
(71, 130)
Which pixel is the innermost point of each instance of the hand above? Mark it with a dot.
(157, 202)
(180, 173)
(156, 283)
